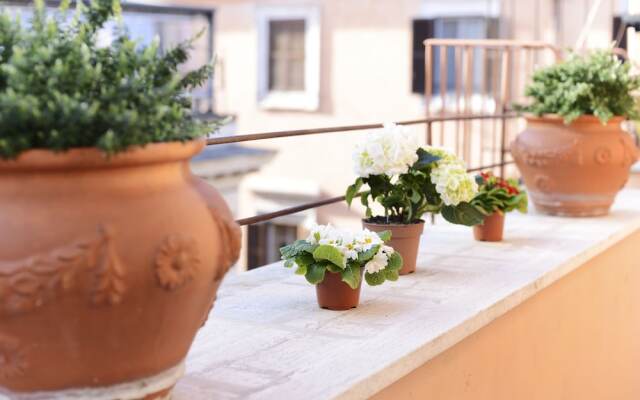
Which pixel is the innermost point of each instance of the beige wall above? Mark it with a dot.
(365, 77)
(577, 339)
(365, 73)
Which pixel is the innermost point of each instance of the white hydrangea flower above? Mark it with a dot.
(453, 183)
(388, 151)
(446, 157)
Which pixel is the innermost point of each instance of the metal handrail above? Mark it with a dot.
(319, 203)
(348, 128)
(324, 202)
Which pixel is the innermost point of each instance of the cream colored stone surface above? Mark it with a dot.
(267, 339)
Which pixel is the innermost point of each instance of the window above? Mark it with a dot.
(286, 55)
(447, 28)
(265, 240)
(288, 58)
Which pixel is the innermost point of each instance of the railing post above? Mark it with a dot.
(506, 62)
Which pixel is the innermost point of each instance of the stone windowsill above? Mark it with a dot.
(267, 339)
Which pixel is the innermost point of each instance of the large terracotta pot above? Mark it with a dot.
(107, 270)
(405, 239)
(334, 294)
(576, 169)
(491, 230)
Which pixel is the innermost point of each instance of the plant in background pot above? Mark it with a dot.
(335, 260)
(408, 181)
(495, 198)
(574, 156)
(111, 251)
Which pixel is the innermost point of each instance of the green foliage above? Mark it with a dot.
(463, 214)
(596, 84)
(407, 197)
(60, 90)
(313, 261)
(331, 254)
(499, 195)
(297, 248)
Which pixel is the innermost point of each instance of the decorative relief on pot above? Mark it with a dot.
(603, 155)
(231, 235)
(28, 284)
(109, 284)
(544, 157)
(12, 358)
(630, 152)
(177, 261)
(542, 183)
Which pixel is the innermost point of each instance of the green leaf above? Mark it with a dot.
(288, 263)
(462, 214)
(425, 159)
(351, 276)
(305, 259)
(395, 262)
(315, 273)
(334, 268)
(365, 256)
(353, 190)
(297, 248)
(301, 270)
(331, 254)
(391, 274)
(385, 236)
(375, 279)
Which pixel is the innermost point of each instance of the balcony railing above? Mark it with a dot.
(351, 128)
(454, 119)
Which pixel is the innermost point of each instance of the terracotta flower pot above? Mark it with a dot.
(491, 230)
(405, 239)
(577, 169)
(334, 294)
(107, 269)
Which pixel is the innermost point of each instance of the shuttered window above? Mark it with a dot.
(446, 28)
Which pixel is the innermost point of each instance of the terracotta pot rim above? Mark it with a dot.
(91, 157)
(420, 222)
(583, 119)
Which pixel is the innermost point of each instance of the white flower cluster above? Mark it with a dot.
(452, 181)
(350, 244)
(388, 151)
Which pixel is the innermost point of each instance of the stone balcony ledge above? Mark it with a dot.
(267, 338)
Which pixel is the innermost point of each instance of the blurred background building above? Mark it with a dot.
(296, 64)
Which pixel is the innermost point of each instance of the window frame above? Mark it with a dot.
(304, 100)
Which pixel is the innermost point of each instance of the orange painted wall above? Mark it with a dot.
(578, 339)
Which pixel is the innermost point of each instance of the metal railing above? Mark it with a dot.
(461, 113)
(483, 76)
(349, 128)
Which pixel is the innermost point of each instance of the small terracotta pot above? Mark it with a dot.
(574, 170)
(491, 230)
(405, 239)
(334, 294)
(108, 267)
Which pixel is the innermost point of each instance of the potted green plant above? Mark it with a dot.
(335, 260)
(407, 181)
(106, 235)
(496, 197)
(574, 156)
